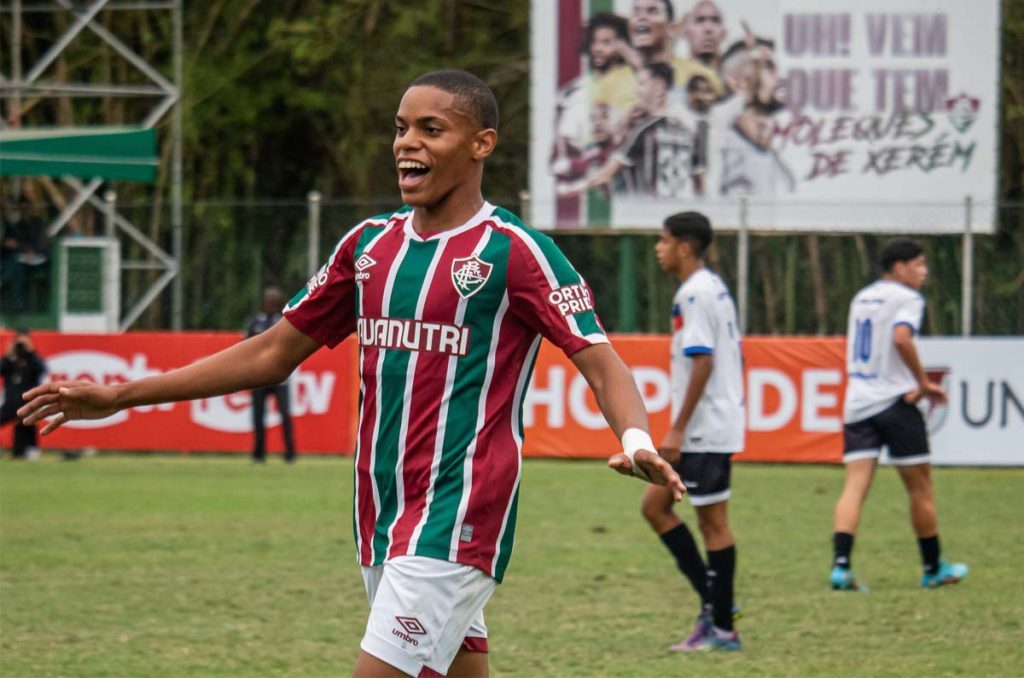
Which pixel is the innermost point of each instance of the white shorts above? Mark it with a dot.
(423, 610)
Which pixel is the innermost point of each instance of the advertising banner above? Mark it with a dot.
(322, 393)
(876, 115)
(794, 390)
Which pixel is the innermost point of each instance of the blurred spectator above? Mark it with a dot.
(21, 369)
(23, 253)
(273, 302)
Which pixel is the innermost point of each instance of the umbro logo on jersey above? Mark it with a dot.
(469, 274)
(364, 262)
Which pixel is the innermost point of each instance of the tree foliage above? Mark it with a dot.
(283, 97)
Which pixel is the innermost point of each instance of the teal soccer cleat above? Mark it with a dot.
(949, 573)
(843, 580)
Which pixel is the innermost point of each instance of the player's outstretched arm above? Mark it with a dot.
(263, 360)
(621, 404)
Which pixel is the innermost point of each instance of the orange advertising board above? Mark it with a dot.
(323, 393)
(794, 392)
(794, 389)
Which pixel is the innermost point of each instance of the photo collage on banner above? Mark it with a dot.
(851, 116)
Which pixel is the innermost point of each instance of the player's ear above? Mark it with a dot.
(483, 143)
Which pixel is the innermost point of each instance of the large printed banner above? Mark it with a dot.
(794, 392)
(875, 115)
(323, 392)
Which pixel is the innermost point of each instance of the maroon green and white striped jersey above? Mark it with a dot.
(448, 329)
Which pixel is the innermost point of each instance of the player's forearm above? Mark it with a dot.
(614, 388)
(908, 353)
(700, 373)
(246, 365)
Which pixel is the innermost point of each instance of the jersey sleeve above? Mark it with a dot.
(698, 324)
(910, 313)
(548, 295)
(325, 308)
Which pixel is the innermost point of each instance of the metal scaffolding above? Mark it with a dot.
(26, 80)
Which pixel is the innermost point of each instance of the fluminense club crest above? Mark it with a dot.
(962, 110)
(469, 274)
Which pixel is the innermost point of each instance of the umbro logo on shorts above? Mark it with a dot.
(412, 627)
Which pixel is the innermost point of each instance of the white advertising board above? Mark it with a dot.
(983, 423)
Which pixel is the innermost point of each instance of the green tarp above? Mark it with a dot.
(104, 152)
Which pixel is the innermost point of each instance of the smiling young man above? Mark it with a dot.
(449, 298)
(885, 380)
(706, 371)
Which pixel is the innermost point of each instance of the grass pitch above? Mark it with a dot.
(166, 566)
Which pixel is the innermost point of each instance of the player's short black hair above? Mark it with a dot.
(900, 250)
(604, 20)
(471, 94)
(663, 71)
(692, 227)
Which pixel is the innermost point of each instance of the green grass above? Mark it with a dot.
(132, 566)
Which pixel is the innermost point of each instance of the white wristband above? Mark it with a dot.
(634, 439)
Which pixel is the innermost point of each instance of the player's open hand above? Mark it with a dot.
(651, 467)
(67, 400)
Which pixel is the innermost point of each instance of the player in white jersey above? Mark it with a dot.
(885, 380)
(707, 427)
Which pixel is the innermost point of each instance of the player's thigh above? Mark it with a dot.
(423, 611)
(861, 440)
(905, 434)
(707, 476)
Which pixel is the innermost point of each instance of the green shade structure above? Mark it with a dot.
(124, 154)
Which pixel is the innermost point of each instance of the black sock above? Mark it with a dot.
(929, 553)
(679, 541)
(721, 572)
(842, 546)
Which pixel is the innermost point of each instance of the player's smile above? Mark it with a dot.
(411, 173)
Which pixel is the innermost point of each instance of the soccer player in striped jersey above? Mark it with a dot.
(885, 380)
(449, 298)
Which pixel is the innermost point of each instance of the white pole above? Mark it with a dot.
(313, 204)
(110, 209)
(177, 233)
(967, 293)
(743, 265)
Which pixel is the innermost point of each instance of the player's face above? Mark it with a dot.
(669, 251)
(602, 47)
(436, 146)
(705, 29)
(913, 273)
(648, 24)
